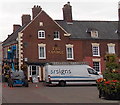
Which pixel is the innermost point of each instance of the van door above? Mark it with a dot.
(93, 75)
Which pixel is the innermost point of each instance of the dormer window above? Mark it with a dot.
(56, 35)
(94, 34)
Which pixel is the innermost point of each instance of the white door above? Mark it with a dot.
(34, 70)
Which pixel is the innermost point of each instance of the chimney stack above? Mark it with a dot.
(26, 18)
(67, 12)
(16, 27)
(35, 11)
(119, 18)
(119, 10)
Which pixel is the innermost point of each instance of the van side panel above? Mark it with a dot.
(71, 74)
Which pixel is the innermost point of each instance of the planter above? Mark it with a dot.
(109, 89)
(106, 95)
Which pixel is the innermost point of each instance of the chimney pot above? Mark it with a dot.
(36, 10)
(9, 35)
(68, 3)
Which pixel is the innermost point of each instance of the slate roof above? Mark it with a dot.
(79, 29)
(12, 38)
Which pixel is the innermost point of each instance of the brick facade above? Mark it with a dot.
(55, 50)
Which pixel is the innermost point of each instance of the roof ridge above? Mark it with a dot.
(90, 21)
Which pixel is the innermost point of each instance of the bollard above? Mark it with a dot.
(36, 85)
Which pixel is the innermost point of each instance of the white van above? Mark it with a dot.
(70, 74)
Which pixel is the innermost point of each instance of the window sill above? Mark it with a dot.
(41, 38)
(42, 58)
(57, 39)
(111, 53)
(96, 55)
(70, 58)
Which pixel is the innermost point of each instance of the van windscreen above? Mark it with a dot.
(91, 71)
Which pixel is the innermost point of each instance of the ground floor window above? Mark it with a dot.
(34, 70)
(96, 66)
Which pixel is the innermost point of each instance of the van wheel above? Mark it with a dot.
(62, 83)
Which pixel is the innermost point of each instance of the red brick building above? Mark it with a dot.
(43, 40)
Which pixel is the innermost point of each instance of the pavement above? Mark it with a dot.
(41, 94)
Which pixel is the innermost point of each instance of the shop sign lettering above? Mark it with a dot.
(61, 71)
(56, 50)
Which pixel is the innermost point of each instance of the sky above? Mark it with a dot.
(12, 10)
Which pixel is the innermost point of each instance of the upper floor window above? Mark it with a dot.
(56, 35)
(69, 52)
(41, 34)
(42, 51)
(111, 48)
(95, 49)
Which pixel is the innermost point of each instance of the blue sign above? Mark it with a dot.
(13, 47)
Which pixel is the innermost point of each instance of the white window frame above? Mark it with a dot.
(72, 53)
(40, 36)
(111, 48)
(95, 46)
(58, 35)
(44, 48)
(97, 65)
